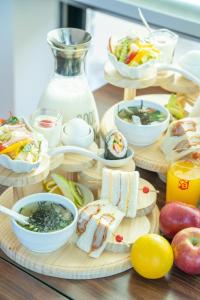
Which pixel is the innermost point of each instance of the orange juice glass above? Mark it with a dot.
(183, 182)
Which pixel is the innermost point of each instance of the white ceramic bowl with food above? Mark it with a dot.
(22, 166)
(137, 134)
(146, 55)
(44, 242)
(144, 71)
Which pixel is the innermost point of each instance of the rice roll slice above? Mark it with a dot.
(115, 145)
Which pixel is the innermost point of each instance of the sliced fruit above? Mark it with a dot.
(48, 185)
(63, 184)
(78, 197)
(69, 189)
(130, 57)
(55, 190)
(14, 149)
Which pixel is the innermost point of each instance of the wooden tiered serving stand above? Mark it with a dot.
(151, 157)
(69, 261)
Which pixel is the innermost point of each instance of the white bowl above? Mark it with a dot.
(141, 135)
(146, 70)
(80, 141)
(117, 163)
(20, 166)
(44, 242)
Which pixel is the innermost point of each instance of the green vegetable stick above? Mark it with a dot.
(124, 51)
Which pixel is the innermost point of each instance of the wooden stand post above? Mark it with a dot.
(129, 93)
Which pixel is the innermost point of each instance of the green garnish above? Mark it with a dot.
(12, 120)
(147, 115)
(46, 216)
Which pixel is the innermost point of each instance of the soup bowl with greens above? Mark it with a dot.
(52, 221)
(141, 121)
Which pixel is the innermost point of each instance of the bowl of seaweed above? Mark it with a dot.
(142, 122)
(52, 221)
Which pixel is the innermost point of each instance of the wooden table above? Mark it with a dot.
(16, 283)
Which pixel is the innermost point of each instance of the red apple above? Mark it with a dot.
(186, 248)
(175, 216)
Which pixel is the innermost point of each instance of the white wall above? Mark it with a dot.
(26, 61)
(6, 59)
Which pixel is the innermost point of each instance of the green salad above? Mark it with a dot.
(133, 52)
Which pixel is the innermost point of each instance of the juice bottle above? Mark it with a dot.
(183, 182)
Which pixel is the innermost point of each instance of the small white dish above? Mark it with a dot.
(75, 138)
(20, 166)
(137, 134)
(146, 70)
(44, 242)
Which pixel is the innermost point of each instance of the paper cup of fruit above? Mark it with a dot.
(141, 121)
(132, 57)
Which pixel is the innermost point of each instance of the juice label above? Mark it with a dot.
(183, 184)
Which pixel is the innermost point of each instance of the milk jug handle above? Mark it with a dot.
(183, 72)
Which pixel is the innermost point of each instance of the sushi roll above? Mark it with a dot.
(115, 145)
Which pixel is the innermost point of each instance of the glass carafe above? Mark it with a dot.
(68, 90)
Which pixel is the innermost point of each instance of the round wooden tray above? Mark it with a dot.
(113, 77)
(151, 157)
(69, 261)
(10, 178)
(168, 80)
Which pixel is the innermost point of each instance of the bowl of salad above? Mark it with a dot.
(141, 121)
(21, 149)
(133, 57)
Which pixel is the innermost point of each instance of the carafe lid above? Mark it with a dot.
(69, 39)
(69, 45)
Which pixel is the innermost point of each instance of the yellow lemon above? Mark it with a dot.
(152, 256)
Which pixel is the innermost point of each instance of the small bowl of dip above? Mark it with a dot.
(52, 221)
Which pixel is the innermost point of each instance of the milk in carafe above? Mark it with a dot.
(68, 91)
